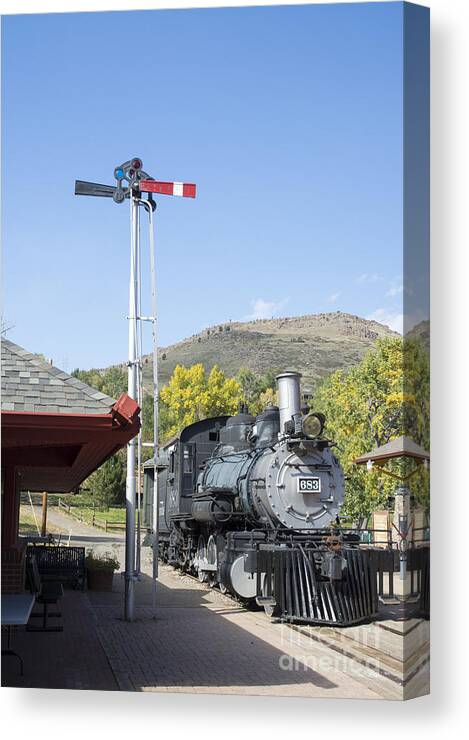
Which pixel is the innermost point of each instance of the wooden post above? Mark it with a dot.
(44, 514)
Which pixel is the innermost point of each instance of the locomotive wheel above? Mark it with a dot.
(243, 585)
(202, 575)
(223, 588)
(211, 550)
(211, 555)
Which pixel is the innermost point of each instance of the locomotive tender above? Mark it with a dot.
(251, 505)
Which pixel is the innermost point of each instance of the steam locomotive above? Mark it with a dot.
(251, 505)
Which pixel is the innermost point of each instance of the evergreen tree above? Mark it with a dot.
(107, 484)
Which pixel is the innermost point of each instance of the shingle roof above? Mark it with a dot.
(399, 447)
(29, 384)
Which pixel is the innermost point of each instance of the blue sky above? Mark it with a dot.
(289, 119)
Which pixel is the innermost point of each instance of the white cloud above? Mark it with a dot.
(334, 297)
(262, 309)
(395, 288)
(388, 317)
(369, 277)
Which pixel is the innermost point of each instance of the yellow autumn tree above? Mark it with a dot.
(386, 395)
(269, 397)
(192, 395)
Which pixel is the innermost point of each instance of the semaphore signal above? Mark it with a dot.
(132, 183)
(132, 180)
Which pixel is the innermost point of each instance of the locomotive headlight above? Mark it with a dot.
(313, 424)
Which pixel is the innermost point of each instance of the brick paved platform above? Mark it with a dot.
(72, 659)
(200, 641)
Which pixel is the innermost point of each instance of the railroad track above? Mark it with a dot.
(207, 586)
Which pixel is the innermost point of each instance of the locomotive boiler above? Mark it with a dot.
(271, 470)
(251, 505)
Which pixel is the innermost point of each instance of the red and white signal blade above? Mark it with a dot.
(184, 189)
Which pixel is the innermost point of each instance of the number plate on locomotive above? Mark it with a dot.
(308, 484)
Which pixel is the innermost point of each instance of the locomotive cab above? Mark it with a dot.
(178, 464)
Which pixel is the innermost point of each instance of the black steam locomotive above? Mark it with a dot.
(251, 505)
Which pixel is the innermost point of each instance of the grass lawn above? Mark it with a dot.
(81, 506)
(27, 525)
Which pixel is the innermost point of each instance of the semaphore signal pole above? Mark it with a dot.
(133, 183)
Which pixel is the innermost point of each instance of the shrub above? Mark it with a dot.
(103, 561)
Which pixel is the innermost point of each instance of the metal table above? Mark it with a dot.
(16, 610)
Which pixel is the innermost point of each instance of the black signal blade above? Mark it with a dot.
(94, 188)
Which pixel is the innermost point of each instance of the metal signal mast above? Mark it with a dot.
(133, 183)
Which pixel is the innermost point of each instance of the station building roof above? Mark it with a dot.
(57, 430)
(33, 385)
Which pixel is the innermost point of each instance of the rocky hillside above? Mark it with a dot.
(316, 345)
(422, 331)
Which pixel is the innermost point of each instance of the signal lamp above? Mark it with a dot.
(313, 424)
(118, 173)
(136, 164)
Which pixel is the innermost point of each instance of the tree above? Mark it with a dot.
(384, 396)
(269, 397)
(251, 386)
(112, 381)
(191, 395)
(107, 484)
(164, 423)
(258, 391)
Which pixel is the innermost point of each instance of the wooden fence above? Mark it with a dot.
(95, 520)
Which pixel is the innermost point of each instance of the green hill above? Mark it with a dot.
(316, 345)
(421, 331)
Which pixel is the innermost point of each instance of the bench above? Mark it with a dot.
(64, 564)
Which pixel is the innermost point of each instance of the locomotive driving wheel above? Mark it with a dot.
(212, 561)
(201, 559)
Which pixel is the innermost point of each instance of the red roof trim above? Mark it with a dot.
(27, 437)
(125, 411)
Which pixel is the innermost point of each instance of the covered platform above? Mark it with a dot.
(56, 431)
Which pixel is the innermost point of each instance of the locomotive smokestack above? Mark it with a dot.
(289, 400)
